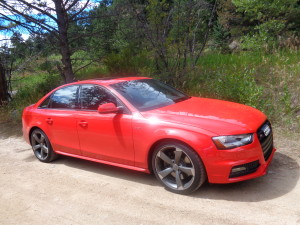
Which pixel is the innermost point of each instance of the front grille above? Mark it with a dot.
(247, 169)
(266, 141)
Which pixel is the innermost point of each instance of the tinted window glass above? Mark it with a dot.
(149, 94)
(45, 103)
(92, 96)
(65, 98)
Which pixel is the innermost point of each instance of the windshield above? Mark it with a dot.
(148, 94)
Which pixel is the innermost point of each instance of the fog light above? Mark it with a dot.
(238, 169)
(244, 169)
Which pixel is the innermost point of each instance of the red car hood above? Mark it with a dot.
(219, 117)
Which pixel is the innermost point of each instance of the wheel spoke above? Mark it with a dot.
(178, 181)
(42, 139)
(162, 174)
(178, 154)
(45, 149)
(187, 170)
(36, 138)
(42, 153)
(164, 157)
(35, 147)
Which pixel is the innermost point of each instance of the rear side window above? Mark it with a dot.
(65, 98)
(91, 96)
(45, 103)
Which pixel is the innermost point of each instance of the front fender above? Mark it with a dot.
(146, 134)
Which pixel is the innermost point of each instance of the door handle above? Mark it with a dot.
(83, 123)
(49, 121)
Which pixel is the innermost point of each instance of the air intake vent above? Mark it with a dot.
(265, 136)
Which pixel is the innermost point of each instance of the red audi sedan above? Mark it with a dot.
(143, 124)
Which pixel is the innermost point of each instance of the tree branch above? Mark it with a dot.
(82, 67)
(80, 11)
(38, 9)
(207, 32)
(27, 17)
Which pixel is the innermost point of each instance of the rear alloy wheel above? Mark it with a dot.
(41, 146)
(178, 167)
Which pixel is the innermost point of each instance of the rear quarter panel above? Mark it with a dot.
(27, 120)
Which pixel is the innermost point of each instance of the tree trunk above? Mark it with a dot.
(67, 70)
(3, 85)
(62, 17)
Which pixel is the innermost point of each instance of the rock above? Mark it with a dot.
(234, 45)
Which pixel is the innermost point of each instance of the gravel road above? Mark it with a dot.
(73, 191)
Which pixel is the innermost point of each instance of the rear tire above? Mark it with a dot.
(178, 167)
(41, 146)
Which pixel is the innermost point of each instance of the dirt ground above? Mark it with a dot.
(73, 191)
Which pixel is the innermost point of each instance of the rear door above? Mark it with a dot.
(58, 117)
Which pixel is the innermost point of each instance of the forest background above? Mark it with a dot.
(237, 50)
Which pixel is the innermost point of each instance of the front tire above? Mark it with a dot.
(178, 167)
(41, 146)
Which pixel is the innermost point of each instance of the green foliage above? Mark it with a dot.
(104, 26)
(264, 36)
(257, 41)
(264, 10)
(48, 66)
(221, 37)
(264, 81)
(126, 61)
(29, 90)
(257, 24)
(92, 71)
(239, 88)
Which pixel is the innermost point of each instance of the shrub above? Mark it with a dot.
(240, 88)
(126, 61)
(29, 90)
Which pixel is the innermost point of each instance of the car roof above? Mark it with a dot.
(109, 80)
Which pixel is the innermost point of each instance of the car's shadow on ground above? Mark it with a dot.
(282, 177)
(107, 170)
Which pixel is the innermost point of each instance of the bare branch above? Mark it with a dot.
(207, 32)
(38, 9)
(82, 67)
(43, 25)
(71, 5)
(81, 10)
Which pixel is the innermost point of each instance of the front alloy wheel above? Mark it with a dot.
(178, 168)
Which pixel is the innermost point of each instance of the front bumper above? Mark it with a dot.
(219, 163)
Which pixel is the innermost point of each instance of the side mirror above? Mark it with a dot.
(108, 108)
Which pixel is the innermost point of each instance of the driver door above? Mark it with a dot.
(104, 136)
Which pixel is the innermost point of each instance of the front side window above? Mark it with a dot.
(65, 98)
(91, 96)
(148, 94)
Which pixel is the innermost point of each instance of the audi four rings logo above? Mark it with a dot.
(267, 130)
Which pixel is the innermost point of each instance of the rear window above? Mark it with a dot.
(65, 98)
(45, 103)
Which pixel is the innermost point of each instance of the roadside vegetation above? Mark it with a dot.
(238, 50)
(269, 82)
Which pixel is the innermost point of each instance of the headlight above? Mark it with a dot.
(232, 141)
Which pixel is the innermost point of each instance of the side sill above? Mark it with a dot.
(105, 162)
